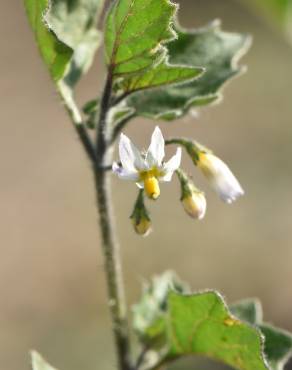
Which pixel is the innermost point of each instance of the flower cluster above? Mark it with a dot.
(148, 169)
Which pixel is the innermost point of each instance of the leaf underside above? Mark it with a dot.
(210, 48)
(277, 344)
(54, 52)
(74, 23)
(67, 38)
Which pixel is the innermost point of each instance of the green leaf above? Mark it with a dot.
(148, 314)
(216, 51)
(277, 344)
(249, 310)
(74, 23)
(201, 324)
(67, 37)
(161, 75)
(38, 363)
(177, 323)
(55, 53)
(135, 33)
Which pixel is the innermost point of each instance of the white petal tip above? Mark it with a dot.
(231, 198)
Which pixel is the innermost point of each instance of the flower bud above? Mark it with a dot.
(220, 177)
(140, 217)
(215, 170)
(142, 225)
(193, 200)
(195, 205)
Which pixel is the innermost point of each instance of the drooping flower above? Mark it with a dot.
(215, 170)
(220, 177)
(147, 170)
(193, 200)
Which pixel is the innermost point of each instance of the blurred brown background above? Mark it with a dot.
(52, 289)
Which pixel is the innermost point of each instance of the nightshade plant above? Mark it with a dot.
(154, 69)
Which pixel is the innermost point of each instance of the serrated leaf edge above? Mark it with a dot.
(285, 359)
(258, 307)
(160, 46)
(217, 97)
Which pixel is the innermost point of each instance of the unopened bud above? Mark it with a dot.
(195, 205)
(142, 225)
(220, 177)
(140, 217)
(193, 200)
(215, 170)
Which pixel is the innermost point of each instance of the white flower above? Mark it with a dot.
(195, 205)
(146, 170)
(221, 178)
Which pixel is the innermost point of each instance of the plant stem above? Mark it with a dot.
(110, 246)
(86, 142)
(112, 270)
(120, 125)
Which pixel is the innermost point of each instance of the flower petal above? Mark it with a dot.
(174, 162)
(124, 174)
(221, 178)
(130, 156)
(171, 166)
(155, 152)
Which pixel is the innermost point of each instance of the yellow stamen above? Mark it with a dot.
(151, 187)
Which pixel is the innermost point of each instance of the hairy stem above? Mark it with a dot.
(86, 141)
(117, 303)
(113, 270)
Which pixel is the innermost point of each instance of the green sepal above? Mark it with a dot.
(186, 184)
(192, 147)
(140, 211)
